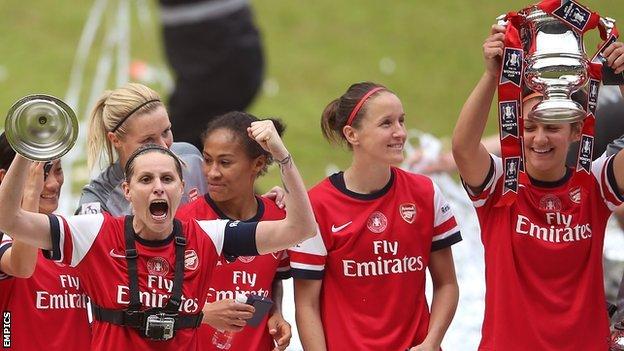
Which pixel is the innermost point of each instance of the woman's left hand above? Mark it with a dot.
(614, 54)
(276, 194)
(280, 331)
(35, 182)
(266, 135)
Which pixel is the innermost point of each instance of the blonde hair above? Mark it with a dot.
(110, 112)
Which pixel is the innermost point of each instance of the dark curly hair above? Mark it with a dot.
(237, 122)
(6, 152)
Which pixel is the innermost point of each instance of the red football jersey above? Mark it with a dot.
(247, 275)
(47, 311)
(372, 253)
(95, 245)
(543, 259)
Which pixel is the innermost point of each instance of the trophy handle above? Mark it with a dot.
(608, 75)
(608, 24)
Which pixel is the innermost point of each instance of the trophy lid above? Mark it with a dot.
(41, 127)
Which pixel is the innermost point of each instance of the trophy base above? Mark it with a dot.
(557, 111)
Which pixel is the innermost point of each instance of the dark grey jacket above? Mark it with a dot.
(104, 193)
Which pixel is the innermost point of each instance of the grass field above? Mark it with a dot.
(428, 52)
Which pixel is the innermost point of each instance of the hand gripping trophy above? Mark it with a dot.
(544, 51)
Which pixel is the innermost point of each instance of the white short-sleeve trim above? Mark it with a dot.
(216, 231)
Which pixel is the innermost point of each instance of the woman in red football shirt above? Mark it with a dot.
(45, 301)
(543, 250)
(232, 163)
(360, 283)
(147, 274)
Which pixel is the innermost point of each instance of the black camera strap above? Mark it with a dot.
(173, 305)
(131, 260)
(133, 316)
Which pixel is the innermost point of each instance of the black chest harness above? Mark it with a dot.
(158, 323)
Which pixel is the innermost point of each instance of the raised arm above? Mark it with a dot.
(22, 225)
(472, 158)
(614, 54)
(20, 260)
(299, 223)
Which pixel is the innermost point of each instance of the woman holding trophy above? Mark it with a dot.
(542, 223)
(147, 274)
(33, 290)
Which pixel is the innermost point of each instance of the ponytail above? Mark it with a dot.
(97, 139)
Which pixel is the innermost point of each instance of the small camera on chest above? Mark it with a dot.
(160, 326)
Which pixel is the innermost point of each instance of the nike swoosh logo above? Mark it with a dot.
(116, 255)
(337, 229)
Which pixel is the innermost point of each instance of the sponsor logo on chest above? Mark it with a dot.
(157, 294)
(558, 228)
(67, 298)
(242, 282)
(387, 261)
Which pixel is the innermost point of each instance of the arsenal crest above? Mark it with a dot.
(575, 195)
(408, 212)
(158, 266)
(193, 194)
(191, 261)
(377, 222)
(550, 203)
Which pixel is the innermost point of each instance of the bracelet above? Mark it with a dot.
(285, 160)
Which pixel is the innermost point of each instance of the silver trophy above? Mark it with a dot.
(41, 127)
(556, 64)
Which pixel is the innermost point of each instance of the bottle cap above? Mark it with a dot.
(241, 298)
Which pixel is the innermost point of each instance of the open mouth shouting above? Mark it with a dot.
(159, 209)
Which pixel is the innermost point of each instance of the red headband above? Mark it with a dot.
(357, 107)
(531, 96)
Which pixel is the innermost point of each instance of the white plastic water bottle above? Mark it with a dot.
(222, 339)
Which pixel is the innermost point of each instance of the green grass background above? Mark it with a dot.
(315, 50)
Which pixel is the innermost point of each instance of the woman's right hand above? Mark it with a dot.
(493, 49)
(266, 135)
(227, 314)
